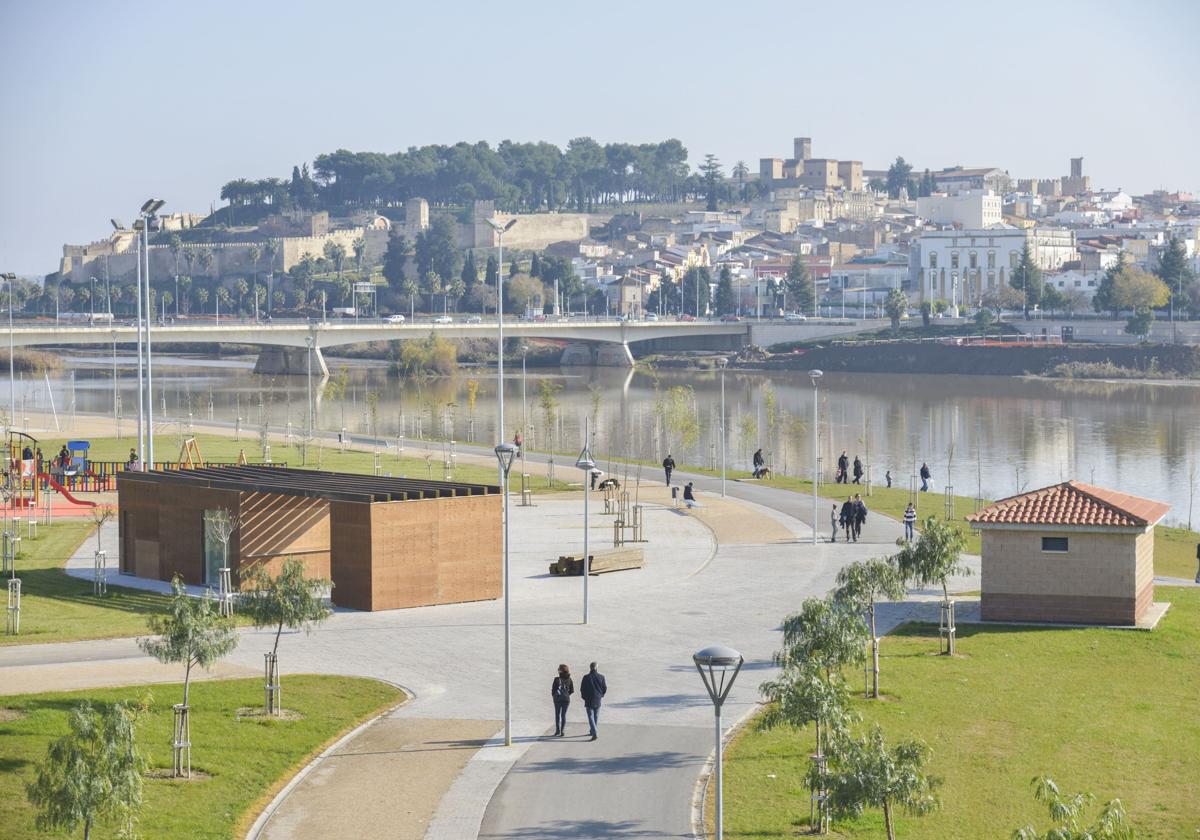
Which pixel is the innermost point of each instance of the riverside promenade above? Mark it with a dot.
(436, 767)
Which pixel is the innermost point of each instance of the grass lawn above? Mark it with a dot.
(414, 464)
(246, 761)
(1110, 712)
(1175, 552)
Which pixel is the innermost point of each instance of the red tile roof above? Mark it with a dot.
(1073, 503)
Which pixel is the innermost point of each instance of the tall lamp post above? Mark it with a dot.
(721, 363)
(141, 356)
(308, 342)
(718, 666)
(147, 212)
(500, 229)
(585, 463)
(505, 452)
(815, 375)
(9, 277)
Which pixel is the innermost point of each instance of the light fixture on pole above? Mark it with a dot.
(149, 208)
(9, 277)
(505, 453)
(585, 463)
(500, 229)
(141, 355)
(721, 363)
(308, 342)
(815, 375)
(718, 666)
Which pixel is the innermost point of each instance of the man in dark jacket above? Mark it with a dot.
(592, 689)
(858, 470)
(843, 465)
(759, 463)
(860, 515)
(668, 467)
(926, 474)
(846, 517)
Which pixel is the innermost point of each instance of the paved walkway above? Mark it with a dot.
(638, 779)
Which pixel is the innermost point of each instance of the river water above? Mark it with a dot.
(987, 435)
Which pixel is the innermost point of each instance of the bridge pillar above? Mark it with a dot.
(290, 361)
(614, 355)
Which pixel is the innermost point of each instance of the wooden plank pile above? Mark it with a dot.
(602, 562)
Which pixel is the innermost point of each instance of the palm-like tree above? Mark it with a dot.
(740, 173)
(205, 258)
(360, 249)
(335, 252)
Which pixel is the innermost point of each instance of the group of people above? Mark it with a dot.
(843, 467)
(850, 517)
(592, 689)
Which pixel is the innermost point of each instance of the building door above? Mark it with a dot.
(127, 543)
(214, 549)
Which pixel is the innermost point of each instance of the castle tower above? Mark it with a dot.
(1077, 167)
(802, 148)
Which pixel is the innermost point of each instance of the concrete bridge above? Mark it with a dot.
(590, 341)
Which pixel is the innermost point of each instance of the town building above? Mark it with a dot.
(1070, 553)
(956, 179)
(966, 209)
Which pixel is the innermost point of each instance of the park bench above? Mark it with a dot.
(602, 562)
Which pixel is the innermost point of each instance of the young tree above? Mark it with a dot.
(93, 772)
(859, 586)
(360, 251)
(713, 179)
(726, 304)
(799, 286)
(289, 600)
(895, 305)
(897, 177)
(935, 557)
(825, 633)
(865, 773)
(1027, 277)
(801, 695)
(1067, 812)
(191, 632)
(1173, 270)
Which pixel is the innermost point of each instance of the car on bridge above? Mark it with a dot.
(394, 319)
(443, 319)
(731, 318)
(794, 316)
(651, 316)
(473, 319)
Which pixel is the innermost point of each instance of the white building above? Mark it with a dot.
(1074, 284)
(959, 266)
(968, 209)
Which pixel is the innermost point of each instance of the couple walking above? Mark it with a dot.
(851, 517)
(592, 689)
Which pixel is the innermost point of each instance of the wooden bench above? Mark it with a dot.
(611, 560)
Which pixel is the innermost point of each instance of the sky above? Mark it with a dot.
(103, 105)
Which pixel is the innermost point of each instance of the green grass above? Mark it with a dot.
(1175, 552)
(1110, 712)
(246, 760)
(224, 449)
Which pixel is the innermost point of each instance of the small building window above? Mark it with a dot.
(954, 259)
(1056, 544)
(991, 259)
(933, 259)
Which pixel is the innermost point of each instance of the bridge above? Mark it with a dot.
(589, 341)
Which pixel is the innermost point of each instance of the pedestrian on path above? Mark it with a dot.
(858, 470)
(833, 523)
(689, 496)
(910, 520)
(668, 467)
(846, 518)
(561, 690)
(759, 463)
(592, 689)
(888, 477)
(925, 476)
(860, 515)
(843, 465)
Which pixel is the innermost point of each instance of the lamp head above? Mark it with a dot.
(152, 205)
(505, 453)
(718, 666)
(816, 374)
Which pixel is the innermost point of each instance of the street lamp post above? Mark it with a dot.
(92, 300)
(500, 229)
(148, 210)
(815, 375)
(12, 398)
(505, 452)
(718, 666)
(308, 342)
(586, 464)
(721, 363)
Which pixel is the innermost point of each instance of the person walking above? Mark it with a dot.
(592, 689)
(759, 463)
(910, 521)
(843, 465)
(887, 476)
(833, 523)
(668, 467)
(858, 470)
(846, 517)
(561, 690)
(860, 515)
(925, 476)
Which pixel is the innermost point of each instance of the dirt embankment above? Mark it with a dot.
(1164, 360)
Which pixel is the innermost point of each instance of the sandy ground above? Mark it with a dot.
(418, 758)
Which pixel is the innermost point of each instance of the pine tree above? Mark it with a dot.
(1104, 300)
(1028, 278)
(726, 304)
(799, 286)
(490, 272)
(1173, 270)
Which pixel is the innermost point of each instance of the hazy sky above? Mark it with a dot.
(103, 105)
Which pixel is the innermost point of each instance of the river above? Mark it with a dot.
(989, 436)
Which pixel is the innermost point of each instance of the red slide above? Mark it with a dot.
(66, 495)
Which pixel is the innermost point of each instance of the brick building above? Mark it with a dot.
(1070, 553)
(385, 543)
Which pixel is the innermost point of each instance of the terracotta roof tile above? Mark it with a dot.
(1072, 503)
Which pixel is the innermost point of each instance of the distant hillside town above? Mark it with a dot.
(633, 230)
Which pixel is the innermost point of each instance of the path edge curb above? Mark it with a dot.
(700, 790)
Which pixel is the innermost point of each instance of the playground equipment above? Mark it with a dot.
(189, 455)
(21, 471)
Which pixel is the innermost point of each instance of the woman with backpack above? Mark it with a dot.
(561, 690)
